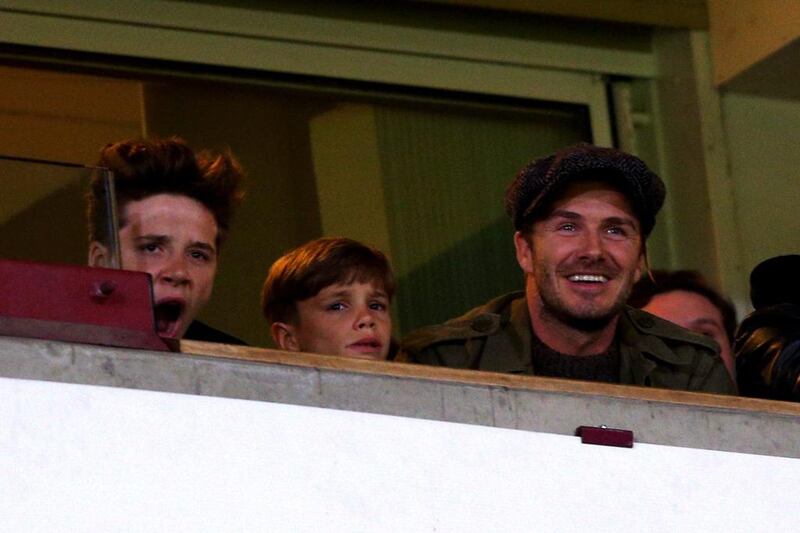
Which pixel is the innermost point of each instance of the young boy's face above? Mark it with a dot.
(349, 319)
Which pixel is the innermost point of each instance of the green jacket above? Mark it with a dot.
(496, 337)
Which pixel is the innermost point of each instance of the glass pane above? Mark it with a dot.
(421, 176)
(43, 210)
(445, 172)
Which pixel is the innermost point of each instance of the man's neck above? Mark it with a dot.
(567, 340)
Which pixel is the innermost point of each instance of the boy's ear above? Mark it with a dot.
(285, 336)
(98, 255)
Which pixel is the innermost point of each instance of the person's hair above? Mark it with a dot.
(664, 281)
(767, 350)
(303, 272)
(146, 167)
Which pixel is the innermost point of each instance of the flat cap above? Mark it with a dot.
(539, 181)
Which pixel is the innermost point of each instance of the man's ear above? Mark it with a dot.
(524, 252)
(98, 255)
(285, 336)
(643, 265)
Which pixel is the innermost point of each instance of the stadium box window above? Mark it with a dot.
(420, 174)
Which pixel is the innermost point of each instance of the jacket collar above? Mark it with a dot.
(641, 348)
(513, 348)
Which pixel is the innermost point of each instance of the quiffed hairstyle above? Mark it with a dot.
(146, 167)
(303, 272)
(663, 281)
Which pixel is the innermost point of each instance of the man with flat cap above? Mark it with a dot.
(582, 217)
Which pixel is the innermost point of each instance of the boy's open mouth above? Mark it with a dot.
(168, 314)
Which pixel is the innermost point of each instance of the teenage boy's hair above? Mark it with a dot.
(146, 167)
(303, 272)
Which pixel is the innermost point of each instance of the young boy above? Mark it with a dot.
(331, 296)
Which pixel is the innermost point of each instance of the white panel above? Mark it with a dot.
(85, 458)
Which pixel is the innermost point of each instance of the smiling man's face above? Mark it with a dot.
(583, 257)
(174, 239)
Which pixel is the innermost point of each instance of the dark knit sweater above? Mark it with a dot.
(550, 363)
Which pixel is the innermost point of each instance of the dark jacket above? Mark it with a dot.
(198, 331)
(497, 337)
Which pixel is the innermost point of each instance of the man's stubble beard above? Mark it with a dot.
(588, 319)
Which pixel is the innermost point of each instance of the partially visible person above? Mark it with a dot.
(767, 345)
(685, 298)
(582, 217)
(331, 296)
(174, 209)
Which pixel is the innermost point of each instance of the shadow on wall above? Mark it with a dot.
(52, 229)
(469, 273)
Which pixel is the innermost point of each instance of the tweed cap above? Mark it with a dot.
(536, 184)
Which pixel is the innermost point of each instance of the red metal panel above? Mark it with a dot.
(77, 304)
(605, 436)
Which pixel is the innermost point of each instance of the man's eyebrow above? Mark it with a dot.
(379, 293)
(563, 213)
(621, 221)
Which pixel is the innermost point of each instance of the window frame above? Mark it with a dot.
(266, 41)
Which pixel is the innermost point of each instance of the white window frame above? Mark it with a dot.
(317, 46)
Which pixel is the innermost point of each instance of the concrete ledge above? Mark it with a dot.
(528, 403)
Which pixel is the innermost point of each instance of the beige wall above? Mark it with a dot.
(347, 168)
(763, 137)
(744, 32)
(65, 117)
